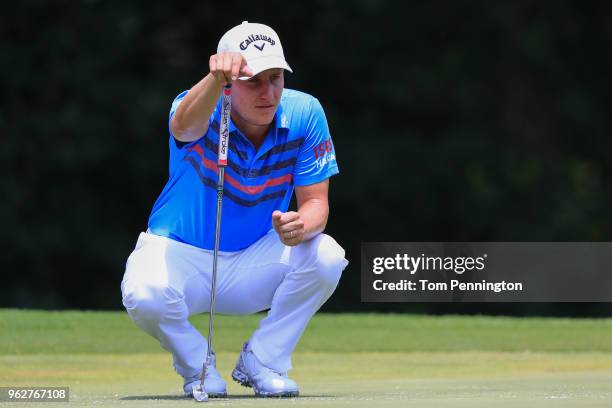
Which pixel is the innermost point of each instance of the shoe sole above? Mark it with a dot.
(210, 395)
(243, 379)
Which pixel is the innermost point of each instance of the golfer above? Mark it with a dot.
(270, 257)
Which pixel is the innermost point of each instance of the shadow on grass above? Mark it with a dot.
(152, 397)
(229, 397)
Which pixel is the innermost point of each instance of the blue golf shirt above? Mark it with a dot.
(297, 151)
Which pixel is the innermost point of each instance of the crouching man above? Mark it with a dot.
(270, 257)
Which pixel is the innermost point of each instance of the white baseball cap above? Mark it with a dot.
(258, 43)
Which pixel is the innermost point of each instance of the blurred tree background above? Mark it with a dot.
(452, 120)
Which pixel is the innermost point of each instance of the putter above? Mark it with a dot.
(199, 392)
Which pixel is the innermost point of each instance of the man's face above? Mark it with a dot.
(255, 100)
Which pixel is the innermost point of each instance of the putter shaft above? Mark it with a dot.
(226, 104)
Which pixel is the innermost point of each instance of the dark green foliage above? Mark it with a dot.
(453, 121)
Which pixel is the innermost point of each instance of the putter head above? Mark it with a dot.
(199, 394)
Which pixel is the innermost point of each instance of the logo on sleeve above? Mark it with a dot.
(324, 153)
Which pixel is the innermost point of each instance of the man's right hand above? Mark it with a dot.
(191, 119)
(228, 66)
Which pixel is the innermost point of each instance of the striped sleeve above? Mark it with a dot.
(316, 159)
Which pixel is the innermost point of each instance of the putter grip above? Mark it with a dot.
(226, 107)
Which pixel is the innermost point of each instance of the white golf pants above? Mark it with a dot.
(167, 281)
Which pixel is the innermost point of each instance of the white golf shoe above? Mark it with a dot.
(214, 385)
(266, 382)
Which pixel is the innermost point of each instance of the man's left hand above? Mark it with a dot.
(289, 226)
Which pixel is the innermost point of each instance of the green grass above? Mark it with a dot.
(342, 360)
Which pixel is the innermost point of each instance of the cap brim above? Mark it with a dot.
(258, 65)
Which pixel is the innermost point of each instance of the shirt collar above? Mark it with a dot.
(280, 119)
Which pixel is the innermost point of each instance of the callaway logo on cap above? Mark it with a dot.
(258, 43)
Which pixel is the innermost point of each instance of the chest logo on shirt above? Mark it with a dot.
(324, 153)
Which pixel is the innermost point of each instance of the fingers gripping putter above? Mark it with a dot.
(199, 391)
